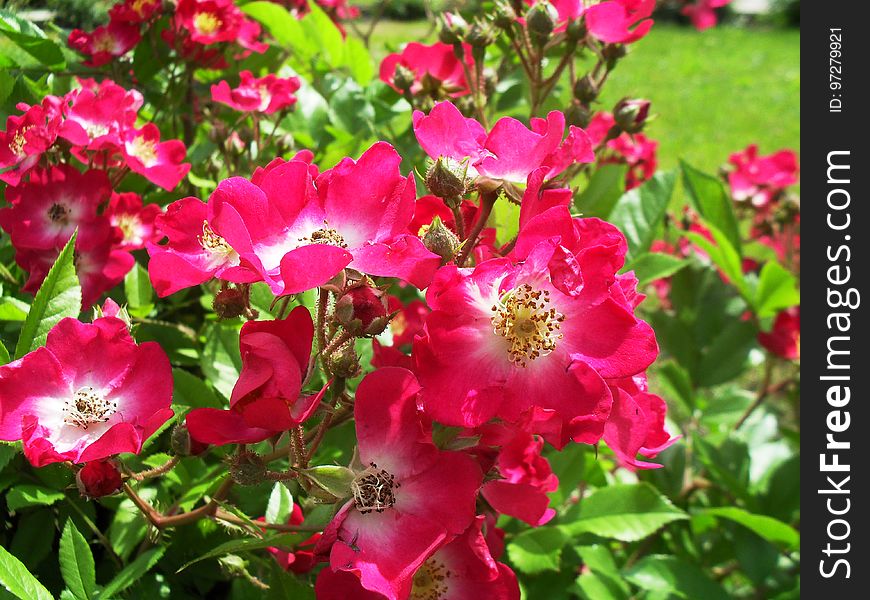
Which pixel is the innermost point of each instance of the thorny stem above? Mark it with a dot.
(322, 306)
(336, 343)
(223, 515)
(161, 521)
(487, 201)
(156, 471)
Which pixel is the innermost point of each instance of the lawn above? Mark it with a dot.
(713, 92)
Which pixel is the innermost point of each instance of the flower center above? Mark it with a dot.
(430, 581)
(373, 490)
(95, 130)
(139, 6)
(526, 320)
(325, 235)
(265, 97)
(214, 244)
(104, 43)
(144, 150)
(87, 407)
(18, 141)
(59, 213)
(129, 224)
(206, 23)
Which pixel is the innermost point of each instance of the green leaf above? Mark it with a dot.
(284, 585)
(22, 496)
(605, 187)
(712, 201)
(13, 309)
(31, 39)
(537, 550)
(280, 505)
(668, 574)
(773, 530)
(59, 296)
(285, 539)
(76, 562)
(655, 265)
(132, 573)
(4, 354)
(777, 290)
(725, 356)
(221, 361)
(15, 577)
(333, 478)
(358, 60)
(639, 212)
(626, 512)
(595, 586)
(140, 294)
(190, 390)
(723, 254)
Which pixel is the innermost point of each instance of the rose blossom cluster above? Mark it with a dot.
(548, 323)
(520, 343)
(199, 30)
(48, 198)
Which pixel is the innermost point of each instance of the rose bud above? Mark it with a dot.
(540, 21)
(247, 468)
(447, 179)
(440, 240)
(183, 444)
(612, 53)
(229, 303)
(585, 89)
(344, 362)
(505, 15)
(403, 78)
(453, 29)
(480, 34)
(578, 115)
(362, 310)
(631, 114)
(98, 478)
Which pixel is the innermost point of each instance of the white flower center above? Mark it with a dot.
(88, 407)
(431, 581)
(524, 317)
(220, 252)
(373, 490)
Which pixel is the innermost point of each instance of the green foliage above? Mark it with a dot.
(59, 296)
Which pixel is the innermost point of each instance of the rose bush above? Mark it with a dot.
(351, 331)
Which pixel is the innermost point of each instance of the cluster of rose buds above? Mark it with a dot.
(49, 198)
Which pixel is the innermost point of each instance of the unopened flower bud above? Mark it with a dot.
(576, 30)
(505, 15)
(446, 179)
(453, 29)
(229, 303)
(247, 468)
(403, 78)
(578, 115)
(631, 114)
(344, 362)
(441, 241)
(612, 53)
(480, 34)
(183, 444)
(362, 310)
(585, 89)
(98, 478)
(110, 308)
(540, 21)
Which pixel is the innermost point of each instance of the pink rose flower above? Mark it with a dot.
(91, 392)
